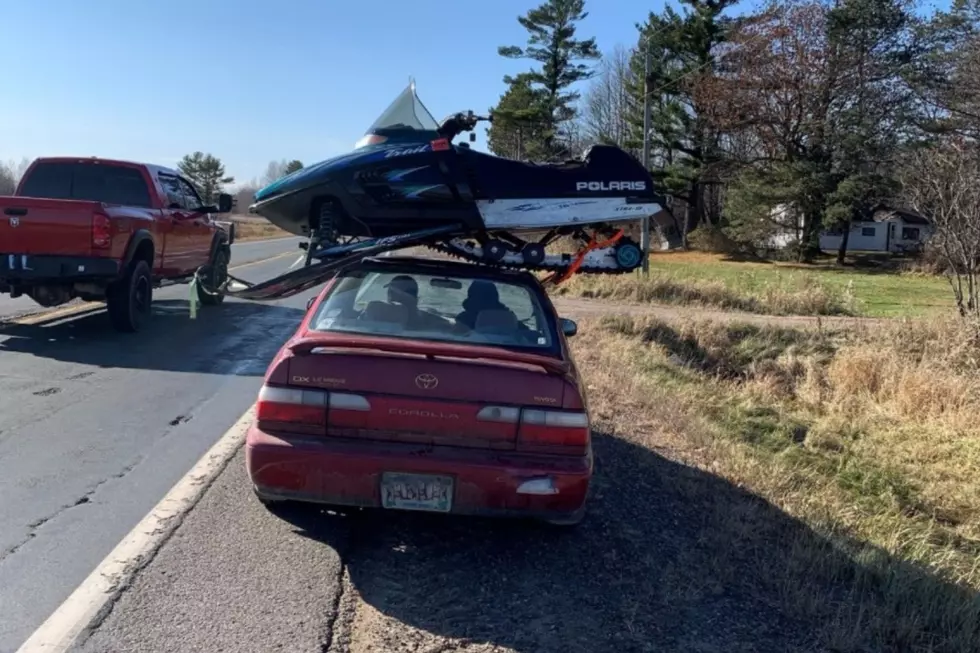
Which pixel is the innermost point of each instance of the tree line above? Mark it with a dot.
(204, 170)
(826, 108)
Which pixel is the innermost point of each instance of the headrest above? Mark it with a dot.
(499, 320)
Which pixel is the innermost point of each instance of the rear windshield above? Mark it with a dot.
(87, 181)
(455, 309)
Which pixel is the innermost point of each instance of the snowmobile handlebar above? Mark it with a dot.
(461, 122)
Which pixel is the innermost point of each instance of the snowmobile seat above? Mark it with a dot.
(499, 177)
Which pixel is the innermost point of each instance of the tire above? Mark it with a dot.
(216, 274)
(128, 300)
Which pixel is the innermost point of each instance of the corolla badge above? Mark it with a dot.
(426, 381)
(14, 222)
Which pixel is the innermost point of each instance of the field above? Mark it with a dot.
(709, 280)
(856, 454)
(251, 228)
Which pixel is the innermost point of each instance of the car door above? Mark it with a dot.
(199, 225)
(177, 253)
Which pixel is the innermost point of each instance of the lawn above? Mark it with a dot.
(868, 436)
(772, 288)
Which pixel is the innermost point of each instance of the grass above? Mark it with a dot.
(771, 288)
(869, 437)
(256, 229)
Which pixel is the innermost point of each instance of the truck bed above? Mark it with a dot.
(30, 225)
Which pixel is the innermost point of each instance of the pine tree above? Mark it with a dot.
(552, 43)
(683, 49)
(517, 129)
(206, 172)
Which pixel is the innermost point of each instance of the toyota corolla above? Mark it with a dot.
(416, 384)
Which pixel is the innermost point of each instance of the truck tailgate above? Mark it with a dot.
(31, 225)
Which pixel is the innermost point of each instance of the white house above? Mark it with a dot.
(886, 229)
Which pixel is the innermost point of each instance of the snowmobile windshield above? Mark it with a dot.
(405, 114)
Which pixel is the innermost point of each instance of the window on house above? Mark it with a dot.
(868, 231)
(910, 233)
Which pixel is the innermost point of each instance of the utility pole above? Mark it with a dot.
(645, 235)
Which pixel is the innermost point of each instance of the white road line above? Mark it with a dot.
(91, 601)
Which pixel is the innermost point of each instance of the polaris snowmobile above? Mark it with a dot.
(407, 184)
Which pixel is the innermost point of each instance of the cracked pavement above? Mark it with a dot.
(96, 426)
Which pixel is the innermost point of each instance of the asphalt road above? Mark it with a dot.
(96, 426)
(241, 253)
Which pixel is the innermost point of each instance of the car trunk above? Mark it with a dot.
(432, 399)
(42, 226)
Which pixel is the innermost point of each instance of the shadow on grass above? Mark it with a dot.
(670, 558)
(236, 338)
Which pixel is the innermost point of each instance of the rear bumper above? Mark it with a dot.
(30, 268)
(348, 473)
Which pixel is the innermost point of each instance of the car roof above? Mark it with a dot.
(427, 265)
(152, 168)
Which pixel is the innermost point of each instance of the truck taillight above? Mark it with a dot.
(299, 410)
(543, 429)
(101, 231)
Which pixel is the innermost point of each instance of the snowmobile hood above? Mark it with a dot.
(311, 175)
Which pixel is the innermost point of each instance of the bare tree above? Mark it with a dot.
(245, 195)
(8, 181)
(608, 102)
(941, 183)
(275, 170)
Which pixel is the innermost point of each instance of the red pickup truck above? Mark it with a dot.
(103, 230)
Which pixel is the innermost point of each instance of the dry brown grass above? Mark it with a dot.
(801, 295)
(251, 229)
(869, 437)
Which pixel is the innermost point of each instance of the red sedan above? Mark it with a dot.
(415, 384)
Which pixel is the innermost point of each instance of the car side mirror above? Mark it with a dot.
(568, 327)
(225, 203)
(310, 302)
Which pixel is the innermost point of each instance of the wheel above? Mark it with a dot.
(533, 254)
(495, 250)
(216, 275)
(628, 255)
(128, 300)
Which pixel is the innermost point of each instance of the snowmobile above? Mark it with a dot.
(407, 184)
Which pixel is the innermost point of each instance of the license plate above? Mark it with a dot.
(417, 492)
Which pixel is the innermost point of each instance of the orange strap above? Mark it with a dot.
(580, 257)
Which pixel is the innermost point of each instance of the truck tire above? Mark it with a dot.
(214, 275)
(128, 300)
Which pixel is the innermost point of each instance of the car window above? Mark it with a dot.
(192, 199)
(454, 308)
(175, 194)
(50, 180)
(96, 182)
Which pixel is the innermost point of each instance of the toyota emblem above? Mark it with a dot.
(14, 222)
(426, 381)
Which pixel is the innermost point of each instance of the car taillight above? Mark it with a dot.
(544, 430)
(306, 410)
(101, 232)
(299, 410)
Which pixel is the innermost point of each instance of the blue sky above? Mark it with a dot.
(248, 80)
